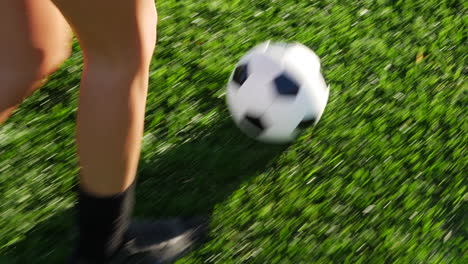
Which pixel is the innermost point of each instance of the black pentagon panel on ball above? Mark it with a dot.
(307, 123)
(252, 125)
(240, 74)
(284, 85)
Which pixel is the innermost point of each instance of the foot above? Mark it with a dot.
(159, 242)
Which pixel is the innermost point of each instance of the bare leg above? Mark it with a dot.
(117, 38)
(34, 40)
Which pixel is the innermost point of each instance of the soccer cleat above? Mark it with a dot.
(158, 242)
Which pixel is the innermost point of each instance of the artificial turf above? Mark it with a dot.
(380, 179)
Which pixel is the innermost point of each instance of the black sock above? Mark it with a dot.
(102, 222)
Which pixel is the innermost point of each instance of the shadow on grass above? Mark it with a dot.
(186, 179)
(191, 178)
(49, 242)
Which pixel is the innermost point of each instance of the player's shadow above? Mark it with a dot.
(50, 241)
(191, 178)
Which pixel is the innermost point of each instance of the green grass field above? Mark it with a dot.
(381, 179)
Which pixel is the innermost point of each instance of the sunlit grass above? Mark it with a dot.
(381, 179)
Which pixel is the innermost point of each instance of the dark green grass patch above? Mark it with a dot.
(381, 179)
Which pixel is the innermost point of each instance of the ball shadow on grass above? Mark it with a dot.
(191, 178)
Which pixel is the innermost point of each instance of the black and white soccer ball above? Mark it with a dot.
(276, 90)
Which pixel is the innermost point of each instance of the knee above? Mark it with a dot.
(123, 59)
(50, 61)
(127, 54)
(25, 72)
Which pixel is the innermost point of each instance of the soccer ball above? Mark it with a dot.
(276, 90)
